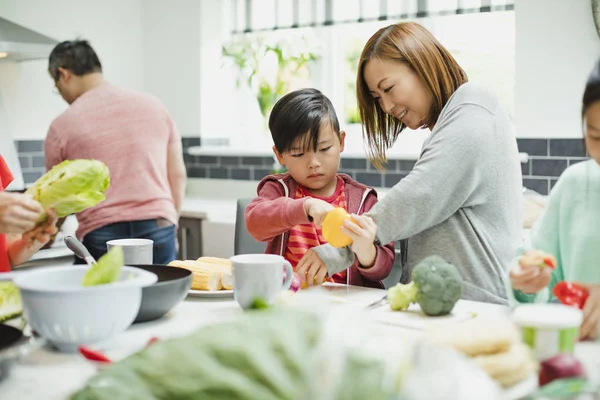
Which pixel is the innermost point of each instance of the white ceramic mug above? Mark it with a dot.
(259, 276)
(135, 251)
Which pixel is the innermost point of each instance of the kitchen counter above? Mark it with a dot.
(49, 375)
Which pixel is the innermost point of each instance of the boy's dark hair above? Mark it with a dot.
(298, 113)
(591, 93)
(77, 56)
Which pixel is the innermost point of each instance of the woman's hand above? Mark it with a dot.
(362, 234)
(18, 212)
(532, 273)
(311, 268)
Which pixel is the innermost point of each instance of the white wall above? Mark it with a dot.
(556, 46)
(171, 58)
(114, 30)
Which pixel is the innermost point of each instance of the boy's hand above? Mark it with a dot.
(43, 232)
(317, 209)
(363, 236)
(591, 312)
(531, 274)
(18, 212)
(311, 268)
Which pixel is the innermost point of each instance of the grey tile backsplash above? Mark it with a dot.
(548, 158)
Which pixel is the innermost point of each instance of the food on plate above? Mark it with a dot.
(106, 270)
(436, 285)
(492, 344)
(71, 186)
(571, 294)
(208, 273)
(278, 353)
(560, 366)
(332, 228)
(10, 301)
(507, 368)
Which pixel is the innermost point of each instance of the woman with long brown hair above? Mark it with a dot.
(463, 199)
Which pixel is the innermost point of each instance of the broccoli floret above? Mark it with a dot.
(401, 296)
(436, 286)
(439, 285)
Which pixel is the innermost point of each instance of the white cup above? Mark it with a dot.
(135, 251)
(259, 276)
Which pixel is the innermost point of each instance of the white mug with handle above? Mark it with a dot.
(259, 276)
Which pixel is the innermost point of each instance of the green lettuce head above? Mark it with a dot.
(72, 186)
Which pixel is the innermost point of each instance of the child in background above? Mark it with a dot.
(569, 229)
(291, 207)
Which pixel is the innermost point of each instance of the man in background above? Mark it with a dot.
(133, 134)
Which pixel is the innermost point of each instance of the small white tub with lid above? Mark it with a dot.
(548, 329)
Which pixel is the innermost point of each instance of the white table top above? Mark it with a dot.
(47, 374)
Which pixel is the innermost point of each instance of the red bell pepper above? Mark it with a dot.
(570, 294)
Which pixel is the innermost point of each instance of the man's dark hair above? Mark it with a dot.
(298, 113)
(77, 56)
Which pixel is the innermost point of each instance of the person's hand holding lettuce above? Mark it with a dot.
(71, 186)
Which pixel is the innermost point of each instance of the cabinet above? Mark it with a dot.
(189, 236)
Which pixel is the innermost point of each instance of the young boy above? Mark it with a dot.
(291, 207)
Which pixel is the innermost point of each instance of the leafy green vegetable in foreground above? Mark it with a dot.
(72, 186)
(107, 269)
(436, 285)
(275, 354)
(10, 301)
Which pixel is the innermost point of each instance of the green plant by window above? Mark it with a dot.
(269, 66)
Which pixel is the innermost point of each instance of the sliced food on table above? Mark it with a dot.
(208, 273)
(492, 344)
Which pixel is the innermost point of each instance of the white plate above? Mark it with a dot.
(413, 318)
(211, 293)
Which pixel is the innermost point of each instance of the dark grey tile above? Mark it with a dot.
(25, 162)
(533, 147)
(567, 147)
(370, 178)
(538, 185)
(260, 173)
(526, 168)
(552, 183)
(30, 177)
(218, 173)
(406, 165)
(230, 161)
(350, 173)
(240, 174)
(354, 163)
(190, 141)
(196, 172)
(30, 146)
(38, 162)
(576, 160)
(207, 160)
(254, 161)
(548, 167)
(188, 158)
(390, 180)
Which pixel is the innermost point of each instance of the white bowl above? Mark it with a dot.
(68, 315)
